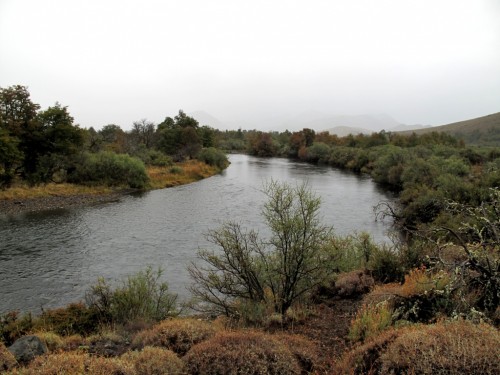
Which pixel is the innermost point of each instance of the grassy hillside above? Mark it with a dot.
(481, 131)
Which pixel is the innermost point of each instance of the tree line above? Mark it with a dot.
(43, 145)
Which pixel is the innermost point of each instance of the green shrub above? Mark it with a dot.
(370, 320)
(178, 335)
(214, 157)
(110, 169)
(244, 352)
(76, 318)
(141, 297)
(176, 169)
(385, 265)
(157, 361)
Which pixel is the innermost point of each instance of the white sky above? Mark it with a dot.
(261, 62)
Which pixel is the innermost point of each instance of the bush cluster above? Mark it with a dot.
(245, 352)
(140, 297)
(178, 335)
(111, 169)
(214, 157)
(458, 347)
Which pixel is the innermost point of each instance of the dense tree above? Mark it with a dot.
(180, 137)
(143, 132)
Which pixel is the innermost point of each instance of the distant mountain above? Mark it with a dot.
(343, 131)
(402, 128)
(319, 122)
(484, 131)
(205, 118)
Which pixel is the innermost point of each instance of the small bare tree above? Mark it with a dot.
(283, 268)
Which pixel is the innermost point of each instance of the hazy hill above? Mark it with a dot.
(359, 123)
(483, 131)
(343, 131)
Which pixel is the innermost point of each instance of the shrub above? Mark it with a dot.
(75, 364)
(385, 265)
(178, 335)
(304, 350)
(62, 363)
(153, 360)
(73, 342)
(141, 297)
(107, 366)
(13, 325)
(110, 169)
(7, 360)
(370, 320)
(76, 318)
(214, 157)
(365, 358)
(176, 169)
(244, 352)
(458, 347)
(53, 341)
(353, 284)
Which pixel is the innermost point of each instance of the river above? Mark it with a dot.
(49, 259)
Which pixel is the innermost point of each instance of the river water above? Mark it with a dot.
(50, 259)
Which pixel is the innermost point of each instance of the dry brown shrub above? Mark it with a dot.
(381, 293)
(152, 360)
(73, 342)
(178, 335)
(365, 358)
(459, 347)
(353, 284)
(304, 350)
(72, 363)
(56, 364)
(108, 366)
(241, 352)
(7, 360)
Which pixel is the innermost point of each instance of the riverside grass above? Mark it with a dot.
(160, 177)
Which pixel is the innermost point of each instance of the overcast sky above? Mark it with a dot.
(259, 62)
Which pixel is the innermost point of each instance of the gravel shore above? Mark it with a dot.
(10, 207)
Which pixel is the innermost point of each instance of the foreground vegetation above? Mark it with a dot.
(439, 308)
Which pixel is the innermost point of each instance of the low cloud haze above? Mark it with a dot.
(258, 64)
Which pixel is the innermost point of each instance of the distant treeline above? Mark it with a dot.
(426, 171)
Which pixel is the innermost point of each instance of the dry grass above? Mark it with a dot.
(53, 341)
(7, 360)
(24, 191)
(74, 363)
(304, 350)
(157, 361)
(241, 352)
(160, 177)
(370, 320)
(458, 347)
(179, 174)
(178, 335)
(365, 358)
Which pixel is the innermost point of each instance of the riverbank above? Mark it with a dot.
(22, 198)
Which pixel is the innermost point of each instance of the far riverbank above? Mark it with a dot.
(23, 199)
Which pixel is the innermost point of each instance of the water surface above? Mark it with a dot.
(49, 259)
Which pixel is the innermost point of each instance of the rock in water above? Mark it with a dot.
(27, 348)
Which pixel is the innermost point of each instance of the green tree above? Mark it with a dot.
(287, 265)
